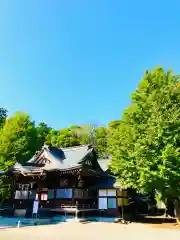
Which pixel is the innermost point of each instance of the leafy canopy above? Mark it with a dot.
(145, 148)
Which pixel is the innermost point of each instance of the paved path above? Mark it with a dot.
(89, 231)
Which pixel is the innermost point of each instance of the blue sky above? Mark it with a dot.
(77, 61)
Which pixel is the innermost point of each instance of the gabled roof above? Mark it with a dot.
(104, 164)
(61, 159)
(67, 158)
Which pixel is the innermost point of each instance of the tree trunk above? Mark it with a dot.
(177, 209)
(170, 208)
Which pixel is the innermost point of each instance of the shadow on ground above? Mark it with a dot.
(154, 220)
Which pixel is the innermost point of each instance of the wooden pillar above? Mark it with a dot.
(74, 185)
(80, 179)
(13, 191)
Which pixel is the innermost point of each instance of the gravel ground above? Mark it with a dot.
(89, 231)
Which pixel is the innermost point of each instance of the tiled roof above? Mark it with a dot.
(61, 159)
(67, 158)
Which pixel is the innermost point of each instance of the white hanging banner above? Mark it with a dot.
(35, 206)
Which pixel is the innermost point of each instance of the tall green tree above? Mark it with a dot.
(63, 138)
(68, 138)
(145, 148)
(101, 139)
(52, 138)
(18, 139)
(42, 131)
(91, 134)
(82, 132)
(17, 143)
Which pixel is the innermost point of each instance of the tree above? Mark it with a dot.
(114, 124)
(96, 136)
(17, 143)
(42, 131)
(3, 116)
(18, 138)
(75, 135)
(101, 136)
(68, 138)
(145, 148)
(83, 133)
(62, 138)
(52, 138)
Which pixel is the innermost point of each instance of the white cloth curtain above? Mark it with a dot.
(21, 195)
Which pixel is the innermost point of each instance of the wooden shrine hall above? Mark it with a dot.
(65, 180)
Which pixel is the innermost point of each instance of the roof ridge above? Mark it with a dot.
(74, 147)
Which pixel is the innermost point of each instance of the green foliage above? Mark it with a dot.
(68, 137)
(114, 124)
(18, 138)
(3, 116)
(145, 148)
(63, 138)
(101, 136)
(17, 143)
(5, 188)
(42, 131)
(83, 133)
